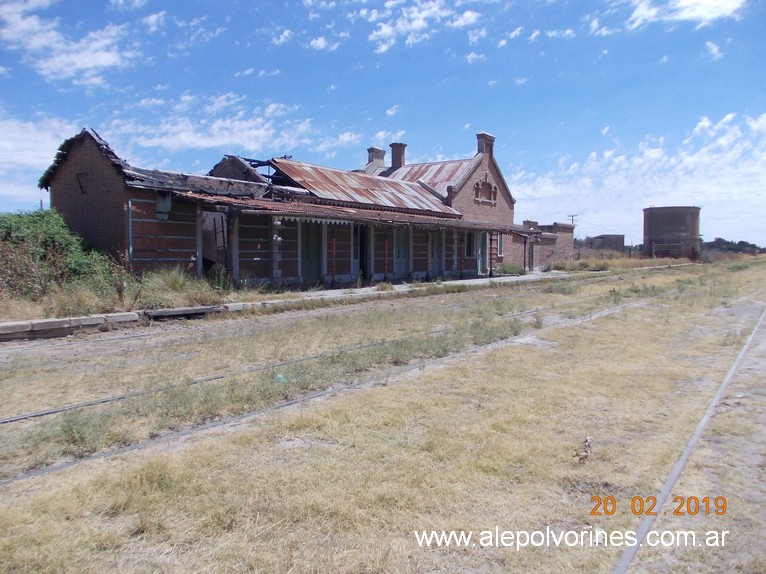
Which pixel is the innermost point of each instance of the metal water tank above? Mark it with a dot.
(672, 232)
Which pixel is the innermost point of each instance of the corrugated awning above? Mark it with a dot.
(343, 215)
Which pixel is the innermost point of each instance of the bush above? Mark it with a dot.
(509, 269)
(38, 254)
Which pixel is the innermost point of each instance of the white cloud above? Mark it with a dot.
(716, 166)
(283, 37)
(474, 57)
(31, 144)
(321, 4)
(520, 81)
(643, 13)
(415, 23)
(475, 35)
(151, 102)
(329, 146)
(223, 102)
(183, 133)
(185, 103)
(196, 33)
(274, 110)
(467, 18)
(154, 22)
(702, 12)
(392, 110)
(385, 137)
(28, 147)
(321, 43)
(534, 35)
(598, 30)
(568, 33)
(57, 57)
(713, 50)
(127, 4)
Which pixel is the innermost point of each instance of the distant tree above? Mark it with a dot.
(720, 244)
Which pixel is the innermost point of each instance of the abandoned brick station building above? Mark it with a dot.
(283, 221)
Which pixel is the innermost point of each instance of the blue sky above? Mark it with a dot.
(600, 108)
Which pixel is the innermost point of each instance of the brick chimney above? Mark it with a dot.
(397, 155)
(486, 143)
(376, 155)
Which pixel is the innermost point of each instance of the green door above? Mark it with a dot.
(311, 253)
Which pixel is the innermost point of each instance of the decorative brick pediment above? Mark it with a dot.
(484, 190)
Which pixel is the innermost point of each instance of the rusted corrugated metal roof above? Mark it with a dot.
(437, 175)
(337, 213)
(355, 187)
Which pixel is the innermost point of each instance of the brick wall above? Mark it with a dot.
(88, 192)
(497, 208)
(155, 243)
(339, 242)
(544, 250)
(383, 253)
(289, 249)
(420, 255)
(515, 248)
(564, 248)
(255, 247)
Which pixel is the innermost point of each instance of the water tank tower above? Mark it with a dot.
(672, 232)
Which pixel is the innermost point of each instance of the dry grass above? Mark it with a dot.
(341, 485)
(62, 375)
(614, 261)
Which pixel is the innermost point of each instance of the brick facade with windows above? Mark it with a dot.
(302, 224)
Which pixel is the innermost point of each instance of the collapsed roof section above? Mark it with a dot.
(302, 190)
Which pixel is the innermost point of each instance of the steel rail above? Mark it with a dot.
(255, 369)
(109, 453)
(630, 551)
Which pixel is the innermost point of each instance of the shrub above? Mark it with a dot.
(509, 269)
(38, 254)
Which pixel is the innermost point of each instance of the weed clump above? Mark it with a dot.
(509, 269)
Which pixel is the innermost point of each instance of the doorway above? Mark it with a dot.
(436, 253)
(360, 259)
(401, 252)
(311, 253)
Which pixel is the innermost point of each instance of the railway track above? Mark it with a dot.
(133, 333)
(304, 398)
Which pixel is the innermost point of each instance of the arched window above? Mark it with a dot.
(484, 190)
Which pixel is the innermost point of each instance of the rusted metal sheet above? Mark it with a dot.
(301, 209)
(360, 188)
(437, 175)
